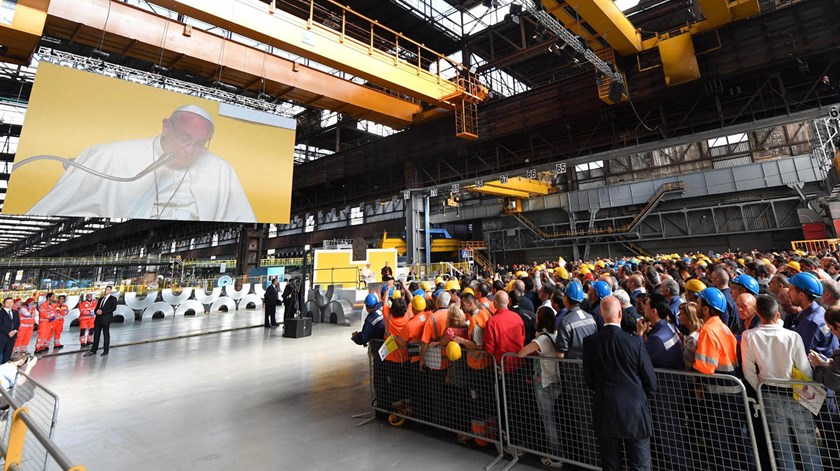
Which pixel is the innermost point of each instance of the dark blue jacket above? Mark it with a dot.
(664, 346)
(810, 325)
(617, 367)
(374, 328)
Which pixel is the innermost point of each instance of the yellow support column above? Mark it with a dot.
(17, 436)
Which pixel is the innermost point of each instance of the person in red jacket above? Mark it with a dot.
(505, 333)
(86, 318)
(27, 325)
(46, 316)
(61, 311)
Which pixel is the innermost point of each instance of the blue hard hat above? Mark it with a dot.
(747, 282)
(371, 300)
(437, 292)
(714, 298)
(808, 283)
(602, 289)
(574, 291)
(621, 263)
(419, 292)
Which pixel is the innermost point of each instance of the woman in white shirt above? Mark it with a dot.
(546, 380)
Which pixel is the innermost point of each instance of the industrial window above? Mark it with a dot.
(589, 166)
(272, 231)
(728, 140)
(356, 216)
(310, 223)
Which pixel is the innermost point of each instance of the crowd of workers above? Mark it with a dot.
(756, 316)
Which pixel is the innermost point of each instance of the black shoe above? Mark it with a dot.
(92, 352)
(275, 325)
(58, 347)
(103, 354)
(266, 326)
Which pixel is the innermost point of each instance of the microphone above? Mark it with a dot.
(164, 159)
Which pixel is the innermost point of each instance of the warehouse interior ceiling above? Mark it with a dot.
(543, 104)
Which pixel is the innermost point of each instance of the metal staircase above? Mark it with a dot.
(600, 232)
(475, 247)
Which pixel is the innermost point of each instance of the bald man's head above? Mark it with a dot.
(611, 310)
(746, 306)
(519, 286)
(501, 300)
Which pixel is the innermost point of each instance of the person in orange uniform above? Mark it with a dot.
(408, 341)
(393, 394)
(433, 362)
(717, 353)
(46, 316)
(61, 311)
(27, 325)
(86, 318)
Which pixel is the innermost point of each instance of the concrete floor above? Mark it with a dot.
(243, 400)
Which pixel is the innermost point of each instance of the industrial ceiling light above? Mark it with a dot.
(515, 12)
(100, 54)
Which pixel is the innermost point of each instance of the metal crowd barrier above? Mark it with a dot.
(700, 422)
(461, 397)
(797, 437)
(30, 423)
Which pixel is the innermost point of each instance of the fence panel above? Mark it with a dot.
(460, 396)
(699, 422)
(43, 410)
(552, 420)
(799, 438)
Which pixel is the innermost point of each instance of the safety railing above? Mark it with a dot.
(800, 425)
(346, 277)
(817, 246)
(699, 422)
(432, 270)
(31, 418)
(460, 396)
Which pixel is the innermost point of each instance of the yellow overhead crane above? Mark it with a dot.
(607, 31)
(398, 68)
(374, 52)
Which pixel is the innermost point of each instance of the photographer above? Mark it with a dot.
(9, 379)
(290, 298)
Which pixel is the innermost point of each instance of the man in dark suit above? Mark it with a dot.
(617, 367)
(9, 325)
(290, 298)
(105, 307)
(271, 296)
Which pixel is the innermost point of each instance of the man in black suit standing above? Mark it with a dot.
(617, 367)
(105, 307)
(9, 325)
(271, 296)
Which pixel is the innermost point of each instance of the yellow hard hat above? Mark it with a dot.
(562, 273)
(795, 265)
(438, 280)
(584, 270)
(600, 264)
(425, 285)
(741, 261)
(702, 263)
(591, 267)
(418, 304)
(453, 351)
(694, 285)
(468, 291)
(452, 285)
(396, 420)
(396, 294)
(521, 274)
(509, 286)
(766, 261)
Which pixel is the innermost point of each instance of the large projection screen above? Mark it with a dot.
(138, 152)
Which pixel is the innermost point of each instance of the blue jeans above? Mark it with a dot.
(546, 398)
(791, 425)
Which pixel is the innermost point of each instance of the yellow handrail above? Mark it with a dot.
(816, 245)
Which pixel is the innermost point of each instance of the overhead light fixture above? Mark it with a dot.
(225, 86)
(487, 3)
(515, 12)
(100, 54)
(160, 69)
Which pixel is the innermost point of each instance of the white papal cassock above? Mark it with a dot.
(209, 190)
